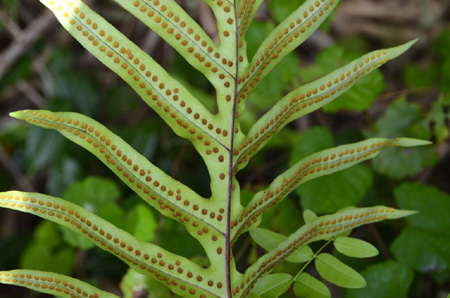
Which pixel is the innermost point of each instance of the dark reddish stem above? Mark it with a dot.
(230, 167)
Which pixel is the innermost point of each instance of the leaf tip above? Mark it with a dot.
(397, 51)
(21, 115)
(408, 142)
(403, 213)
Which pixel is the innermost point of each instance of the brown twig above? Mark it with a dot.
(28, 90)
(380, 241)
(15, 172)
(23, 40)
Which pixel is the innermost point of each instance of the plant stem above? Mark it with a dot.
(230, 166)
(304, 267)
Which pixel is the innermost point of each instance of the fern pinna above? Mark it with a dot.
(218, 221)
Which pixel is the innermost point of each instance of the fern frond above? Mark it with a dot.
(316, 165)
(179, 109)
(53, 284)
(165, 194)
(324, 228)
(176, 27)
(147, 258)
(287, 36)
(309, 98)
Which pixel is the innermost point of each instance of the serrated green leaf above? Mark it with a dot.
(46, 251)
(338, 190)
(283, 8)
(429, 229)
(431, 203)
(399, 120)
(312, 140)
(432, 254)
(92, 193)
(388, 279)
(271, 285)
(439, 117)
(96, 195)
(142, 223)
(309, 287)
(355, 248)
(39, 256)
(337, 272)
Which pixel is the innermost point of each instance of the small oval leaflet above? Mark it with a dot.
(271, 285)
(355, 248)
(309, 287)
(338, 273)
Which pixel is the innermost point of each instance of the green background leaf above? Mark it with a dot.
(47, 252)
(361, 96)
(402, 119)
(336, 272)
(424, 245)
(329, 193)
(388, 279)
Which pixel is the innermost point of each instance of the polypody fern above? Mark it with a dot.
(218, 221)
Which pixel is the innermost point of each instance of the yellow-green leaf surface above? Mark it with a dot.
(355, 248)
(168, 196)
(324, 228)
(295, 29)
(246, 11)
(179, 109)
(176, 27)
(309, 98)
(316, 165)
(143, 257)
(309, 287)
(53, 284)
(216, 222)
(337, 272)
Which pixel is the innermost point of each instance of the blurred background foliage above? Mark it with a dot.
(42, 67)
